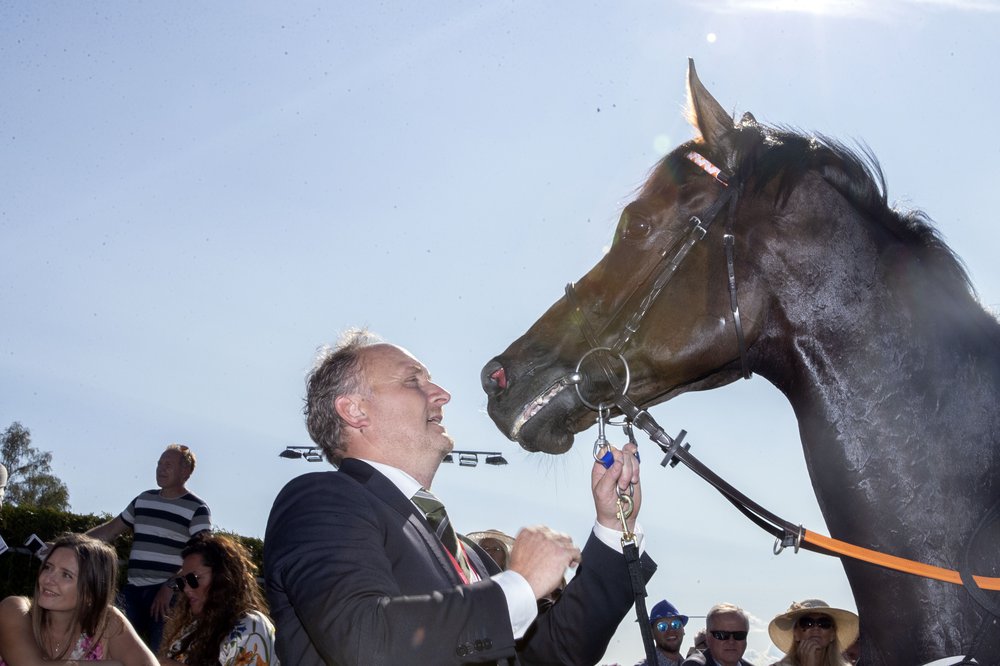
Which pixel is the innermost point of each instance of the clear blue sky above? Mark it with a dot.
(194, 196)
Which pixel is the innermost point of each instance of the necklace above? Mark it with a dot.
(54, 652)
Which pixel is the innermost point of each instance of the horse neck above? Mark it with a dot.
(882, 365)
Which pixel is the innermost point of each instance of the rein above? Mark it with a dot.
(786, 533)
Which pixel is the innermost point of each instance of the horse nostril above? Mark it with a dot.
(494, 378)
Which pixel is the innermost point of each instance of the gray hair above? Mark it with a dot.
(336, 372)
(726, 609)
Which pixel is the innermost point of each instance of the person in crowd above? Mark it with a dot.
(667, 625)
(726, 629)
(221, 617)
(363, 566)
(70, 617)
(811, 633)
(699, 643)
(497, 545)
(853, 652)
(162, 521)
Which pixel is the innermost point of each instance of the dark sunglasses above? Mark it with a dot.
(191, 579)
(674, 624)
(810, 622)
(726, 635)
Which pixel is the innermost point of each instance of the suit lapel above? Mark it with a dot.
(416, 526)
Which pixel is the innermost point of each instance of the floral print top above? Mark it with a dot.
(250, 643)
(86, 649)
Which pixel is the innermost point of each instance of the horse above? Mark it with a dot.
(759, 249)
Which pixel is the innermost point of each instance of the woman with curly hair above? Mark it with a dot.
(221, 617)
(70, 618)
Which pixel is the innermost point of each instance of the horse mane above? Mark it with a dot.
(787, 154)
(761, 155)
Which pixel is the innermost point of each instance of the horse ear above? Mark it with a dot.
(704, 112)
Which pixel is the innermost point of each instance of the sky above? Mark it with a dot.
(195, 196)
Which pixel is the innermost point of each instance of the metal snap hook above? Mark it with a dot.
(606, 459)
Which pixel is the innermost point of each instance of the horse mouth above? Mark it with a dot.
(536, 405)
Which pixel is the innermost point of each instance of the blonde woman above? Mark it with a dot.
(811, 633)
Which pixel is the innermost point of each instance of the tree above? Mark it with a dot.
(30, 479)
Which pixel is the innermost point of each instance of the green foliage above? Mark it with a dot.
(31, 481)
(18, 570)
(254, 546)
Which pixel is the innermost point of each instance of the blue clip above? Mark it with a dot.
(607, 459)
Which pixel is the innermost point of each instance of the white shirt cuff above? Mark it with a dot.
(521, 604)
(613, 538)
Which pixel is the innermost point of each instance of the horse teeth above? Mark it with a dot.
(535, 406)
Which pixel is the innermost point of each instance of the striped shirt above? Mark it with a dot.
(161, 527)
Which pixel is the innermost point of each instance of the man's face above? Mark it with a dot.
(171, 470)
(404, 407)
(668, 632)
(729, 651)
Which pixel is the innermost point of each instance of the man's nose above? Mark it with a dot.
(438, 395)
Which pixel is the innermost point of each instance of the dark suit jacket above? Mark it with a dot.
(705, 659)
(354, 575)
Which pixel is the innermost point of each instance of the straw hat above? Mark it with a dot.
(490, 540)
(505, 539)
(780, 628)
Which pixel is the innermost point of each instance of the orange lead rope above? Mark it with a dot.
(893, 562)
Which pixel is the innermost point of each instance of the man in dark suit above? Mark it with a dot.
(726, 628)
(356, 574)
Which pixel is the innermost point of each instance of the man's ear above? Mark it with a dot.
(349, 409)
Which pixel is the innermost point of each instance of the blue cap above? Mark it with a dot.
(666, 609)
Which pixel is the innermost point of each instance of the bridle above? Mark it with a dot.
(671, 259)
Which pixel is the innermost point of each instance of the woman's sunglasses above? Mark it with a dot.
(810, 622)
(190, 579)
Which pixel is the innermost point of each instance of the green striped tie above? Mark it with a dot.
(437, 518)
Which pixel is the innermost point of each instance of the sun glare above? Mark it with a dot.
(824, 7)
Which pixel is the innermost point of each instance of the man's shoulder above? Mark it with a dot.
(187, 499)
(318, 491)
(189, 496)
(696, 659)
(327, 480)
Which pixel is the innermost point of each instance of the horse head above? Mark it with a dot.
(686, 339)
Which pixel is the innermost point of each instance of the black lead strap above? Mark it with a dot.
(639, 590)
(632, 564)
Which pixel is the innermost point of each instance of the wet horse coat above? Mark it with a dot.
(858, 313)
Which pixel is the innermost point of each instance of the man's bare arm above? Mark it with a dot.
(110, 530)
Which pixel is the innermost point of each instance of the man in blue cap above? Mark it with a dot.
(668, 625)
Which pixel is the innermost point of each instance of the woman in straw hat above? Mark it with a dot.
(811, 633)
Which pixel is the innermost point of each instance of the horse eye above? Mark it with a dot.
(635, 228)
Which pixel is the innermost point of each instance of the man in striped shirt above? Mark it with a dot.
(162, 521)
